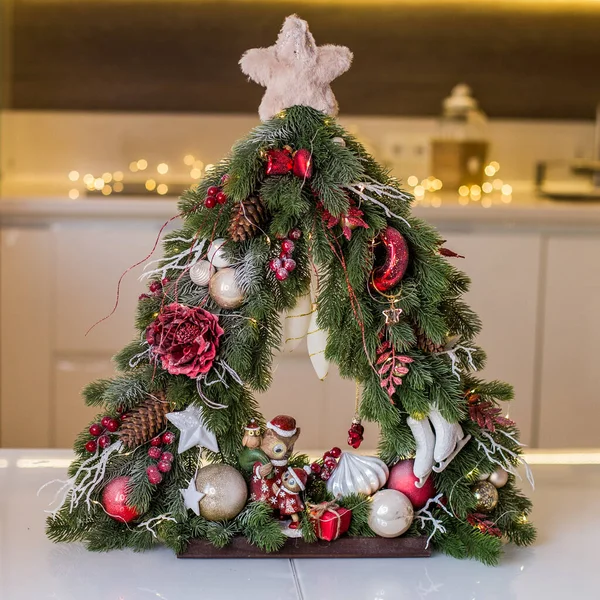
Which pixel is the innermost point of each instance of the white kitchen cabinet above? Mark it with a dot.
(570, 378)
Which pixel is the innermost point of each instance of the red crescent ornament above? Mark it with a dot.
(395, 260)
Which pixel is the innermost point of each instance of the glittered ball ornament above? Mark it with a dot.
(224, 290)
(391, 260)
(499, 478)
(201, 272)
(403, 479)
(216, 254)
(114, 500)
(279, 161)
(486, 496)
(224, 492)
(391, 513)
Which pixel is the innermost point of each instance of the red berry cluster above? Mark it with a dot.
(355, 434)
(165, 459)
(101, 433)
(327, 465)
(215, 194)
(155, 287)
(285, 264)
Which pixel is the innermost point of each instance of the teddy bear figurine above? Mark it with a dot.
(289, 502)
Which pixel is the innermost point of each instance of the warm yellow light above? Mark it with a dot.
(495, 165)
(74, 175)
(88, 179)
(209, 167)
(142, 164)
(163, 168)
(188, 159)
(463, 190)
(507, 189)
(133, 167)
(118, 186)
(162, 189)
(195, 173)
(475, 190)
(437, 184)
(486, 202)
(425, 183)
(107, 190)
(150, 184)
(73, 194)
(506, 199)
(463, 200)
(412, 181)
(118, 175)
(419, 190)
(490, 171)
(98, 183)
(487, 187)
(198, 164)
(497, 184)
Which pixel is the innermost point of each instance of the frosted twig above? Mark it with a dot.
(528, 471)
(210, 403)
(160, 519)
(425, 515)
(192, 255)
(455, 360)
(134, 361)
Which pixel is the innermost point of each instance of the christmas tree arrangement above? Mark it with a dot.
(298, 235)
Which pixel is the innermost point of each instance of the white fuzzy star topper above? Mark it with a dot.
(296, 71)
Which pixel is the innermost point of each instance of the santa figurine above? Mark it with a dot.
(289, 502)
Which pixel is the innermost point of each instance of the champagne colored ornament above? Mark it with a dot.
(391, 513)
(114, 500)
(216, 254)
(316, 341)
(224, 492)
(403, 479)
(486, 496)
(303, 164)
(356, 474)
(201, 272)
(483, 476)
(340, 141)
(224, 290)
(393, 262)
(296, 323)
(499, 478)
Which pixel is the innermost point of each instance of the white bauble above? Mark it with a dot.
(356, 474)
(201, 272)
(391, 513)
(339, 140)
(499, 478)
(296, 322)
(216, 254)
(316, 341)
(224, 290)
(483, 476)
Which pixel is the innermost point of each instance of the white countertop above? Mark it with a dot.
(562, 564)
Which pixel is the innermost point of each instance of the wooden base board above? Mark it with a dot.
(344, 547)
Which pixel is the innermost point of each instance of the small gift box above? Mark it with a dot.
(329, 520)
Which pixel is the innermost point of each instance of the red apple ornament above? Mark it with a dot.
(114, 500)
(403, 480)
(390, 268)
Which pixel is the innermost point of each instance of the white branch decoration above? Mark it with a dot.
(192, 255)
(156, 521)
(454, 358)
(425, 515)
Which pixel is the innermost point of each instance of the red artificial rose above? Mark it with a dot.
(185, 339)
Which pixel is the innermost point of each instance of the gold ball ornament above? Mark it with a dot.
(486, 495)
(391, 513)
(499, 478)
(225, 492)
(224, 290)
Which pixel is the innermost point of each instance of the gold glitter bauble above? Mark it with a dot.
(486, 495)
(225, 492)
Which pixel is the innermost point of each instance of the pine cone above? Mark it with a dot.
(145, 421)
(248, 219)
(425, 344)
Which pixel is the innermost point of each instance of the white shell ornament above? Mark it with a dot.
(216, 254)
(224, 290)
(356, 474)
(296, 322)
(391, 513)
(201, 272)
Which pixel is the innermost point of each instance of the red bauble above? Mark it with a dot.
(315, 468)
(213, 190)
(355, 433)
(156, 441)
(403, 480)
(166, 456)
(154, 452)
(164, 466)
(221, 197)
(275, 264)
(154, 476)
(289, 264)
(335, 452)
(91, 446)
(279, 161)
(114, 500)
(112, 425)
(287, 246)
(281, 274)
(303, 164)
(105, 421)
(96, 429)
(168, 437)
(104, 441)
(210, 202)
(393, 260)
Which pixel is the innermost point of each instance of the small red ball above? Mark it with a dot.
(112, 425)
(155, 286)
(213, 190)
(275, 264)
(104, 441)
(154, 452)
(168, 437)
(166, 456)
(403, 480)
(164, 466)
(114, 500)
(325, 474)
(91, 446)
(330, 463)
(96, 429)
(221, 197)
(287, 246)
(295, 234)
(105, 421)
(315, 468)
(289, 264)
(335, 452)
(156, 441)
(281, 274)
(210, 202)
(154, 476)
(283, 255)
